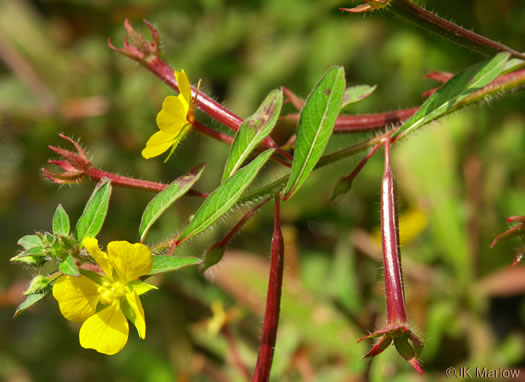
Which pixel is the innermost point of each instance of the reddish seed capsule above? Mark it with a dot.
(397, 330)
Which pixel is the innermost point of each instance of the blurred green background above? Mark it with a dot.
(458, 180)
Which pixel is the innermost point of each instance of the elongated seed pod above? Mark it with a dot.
(395, 298)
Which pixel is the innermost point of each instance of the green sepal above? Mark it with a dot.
(129, 312)
(38, 284)
(30, 301)
(97, 278)
(141, 287)
(212, 257)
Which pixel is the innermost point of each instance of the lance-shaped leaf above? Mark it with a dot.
(61, 221)
(94, 214)
(224, 197)
(162, 264)
(166, 198)
(253, 131)
(355, 94)
(463, 84)
(315, 127)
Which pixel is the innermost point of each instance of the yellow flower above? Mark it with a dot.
(104, 302)
(174, 120)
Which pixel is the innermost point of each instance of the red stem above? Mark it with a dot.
(444, 28)
(395, 299)
(350, 123)
(346, 123)
(273, 303)
(138, 184)
(350, 178)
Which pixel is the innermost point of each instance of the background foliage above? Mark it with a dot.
(458, 180)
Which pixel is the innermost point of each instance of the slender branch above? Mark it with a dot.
(226, 239)
(215, 253)
(345, 183)
(452, 32)
(96, 174)
(273, 303)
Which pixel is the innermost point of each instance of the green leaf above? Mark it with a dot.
(30, 241)
(92, 219)
(162, 264)
(253, 130)
(166, 198)
(454, 91)
(224, 197)
(61, 221)
(355, 94)
(316, 123)
(68, 267)
(30, 301)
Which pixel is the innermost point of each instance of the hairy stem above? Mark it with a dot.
(96, 174)
(435, 24)
(346, 123)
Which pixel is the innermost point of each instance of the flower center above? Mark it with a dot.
(110, 292)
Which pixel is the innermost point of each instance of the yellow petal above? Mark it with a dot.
(173, 115)
(157, 144)
(130, 260)
(100, 257)
(138, 318)
(106, 332)
(184, 86)
(77, 297)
